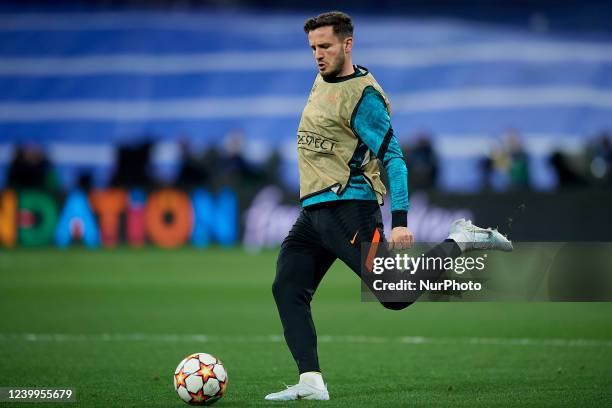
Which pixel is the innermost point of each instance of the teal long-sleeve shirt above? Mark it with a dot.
(372, 125)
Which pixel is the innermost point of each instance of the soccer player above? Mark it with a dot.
(344, 131)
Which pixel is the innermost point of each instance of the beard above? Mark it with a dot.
(336, 69)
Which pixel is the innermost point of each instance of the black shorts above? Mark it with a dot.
(334, 230)
(329, 231)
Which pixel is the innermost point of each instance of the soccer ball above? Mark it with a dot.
(200, 379)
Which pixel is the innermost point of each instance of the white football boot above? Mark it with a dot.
(470, 237)
(299, 391)
(310, 387)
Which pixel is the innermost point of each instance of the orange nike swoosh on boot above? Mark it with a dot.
(352, 241)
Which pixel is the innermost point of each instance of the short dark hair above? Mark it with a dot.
(341, 22)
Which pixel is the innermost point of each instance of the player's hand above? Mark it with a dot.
(401, 238)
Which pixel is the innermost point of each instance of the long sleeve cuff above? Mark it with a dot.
(399, 218)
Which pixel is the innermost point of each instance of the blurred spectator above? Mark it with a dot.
(85, 182)
(30, 168)
(494, 170)
(567, 176)
(507, 166)
(193, 171)
(233, 167)
(422, 163)
(519, 161)
(133, 167)
(271, 170)
(210, 163)
(600, 159)
(486, 167)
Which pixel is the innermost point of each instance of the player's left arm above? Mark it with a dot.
(372, 124)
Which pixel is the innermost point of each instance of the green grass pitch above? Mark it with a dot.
(115, 323)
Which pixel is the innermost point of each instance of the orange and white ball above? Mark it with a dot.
(200, 379)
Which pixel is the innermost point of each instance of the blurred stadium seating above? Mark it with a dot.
(80, 84)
